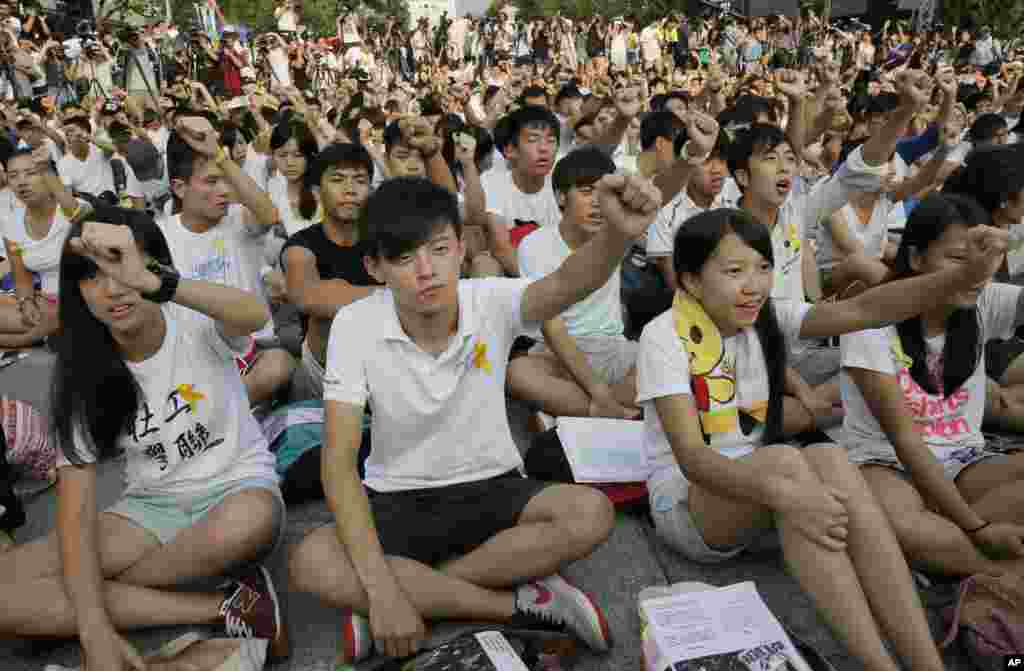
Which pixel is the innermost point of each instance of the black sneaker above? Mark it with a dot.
(251, 610)
(554, 604)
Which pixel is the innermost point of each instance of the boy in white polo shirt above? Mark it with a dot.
(446, 527)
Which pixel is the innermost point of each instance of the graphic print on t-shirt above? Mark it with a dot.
(214, 268)
(180, 410)
(934, 415)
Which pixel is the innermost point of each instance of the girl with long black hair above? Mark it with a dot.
(137, 380)
(915, 395)
(710, 377)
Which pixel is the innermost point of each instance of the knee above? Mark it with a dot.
(485, 265)
(250, 522)
(320, 566)
(589, 520)
(785, 460)
(278, 365)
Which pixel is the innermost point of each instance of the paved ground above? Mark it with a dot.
(631, 560)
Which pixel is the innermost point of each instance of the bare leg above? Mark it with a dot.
(828, 577)
(272, 370)
(879, 561)
(994, 488)
(926, 537)
(625, 391)
(34, 589)
(560, 524)
(541, 379)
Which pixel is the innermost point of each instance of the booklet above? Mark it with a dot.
(603, 450)
(715, 629)
(485, 651)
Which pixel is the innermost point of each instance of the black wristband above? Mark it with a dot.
(977, 529)
(169, 279)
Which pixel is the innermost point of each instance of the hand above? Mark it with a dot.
(821, 407)
(465, 149)
(792, 85)
(835, 101)
(702, 134)
(914, 88)
(818, 512)
(986, 248)
(417, 134)
(104, 648)
(1002, 537)
(113, 249)
(628, 203)
(198, 133)
(604, 404)
(398, 630)
(828, 74)
(946, 80)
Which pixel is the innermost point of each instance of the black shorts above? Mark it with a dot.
(436, 524)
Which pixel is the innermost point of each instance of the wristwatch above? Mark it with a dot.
(169, 278)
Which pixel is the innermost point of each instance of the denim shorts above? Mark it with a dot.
(674, 523)
(165, 516)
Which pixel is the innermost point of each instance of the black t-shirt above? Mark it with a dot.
(333, 261)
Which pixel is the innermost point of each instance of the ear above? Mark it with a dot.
(914, 258)
(373, 267)
(690, 283)
(178, 187)
(742, 178)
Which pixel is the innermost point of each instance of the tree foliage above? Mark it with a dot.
(646, 11)
(1004, 17)
(319, 15)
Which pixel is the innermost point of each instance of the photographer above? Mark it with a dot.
(139, 66)
(93, 71)
(233, 58)
(277, 57)
(57, 67)
(18, 66)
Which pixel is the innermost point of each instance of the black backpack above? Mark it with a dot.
(13, 514)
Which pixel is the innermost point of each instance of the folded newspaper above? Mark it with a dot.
(484, 651)
(697, 627)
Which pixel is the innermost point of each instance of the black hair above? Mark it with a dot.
(662, 124)
(747, 109)
(446, 128)
(533, 92)
(567, 92)
(657, 102)
(745, 142)
(986, 127)
(392, 135)
(695, 242)
(93, 393)
(883, 103)
(340, 153)
(990, 175)
(581, 167)
(531, 116)
(81, 122)
(403, 213)
(299, 131)
(926, 224)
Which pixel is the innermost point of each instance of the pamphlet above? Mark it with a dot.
(485, 651)
(718, 629)
(603, 450)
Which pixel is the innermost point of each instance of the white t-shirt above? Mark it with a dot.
(506, 200)
(599, 314)
(663, 369)
(40, 256)
(437, 420)
(947, 423)
(870, 236)
(661, 235)
(228, 253)
(94, 175)
(277, 188)
(193, 430)
(800, 214)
